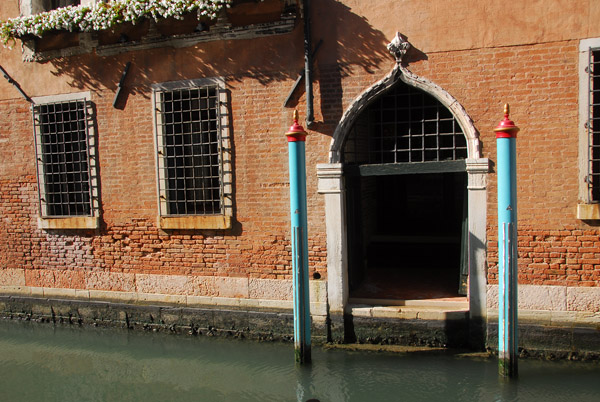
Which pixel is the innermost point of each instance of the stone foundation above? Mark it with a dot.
(251, 323)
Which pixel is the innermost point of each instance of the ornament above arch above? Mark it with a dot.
(399, 47)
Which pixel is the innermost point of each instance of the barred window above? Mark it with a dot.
(192, 148)
(593, 128)
(54, 4)
(65, 155)
(29, 7)
(588, 206)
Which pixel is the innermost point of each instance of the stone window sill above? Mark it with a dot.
(79, 222)
(195, 222)
(588, 211)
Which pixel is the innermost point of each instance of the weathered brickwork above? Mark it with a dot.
(540, 82)
(137, 247)
(238, 273)
(537, 80)
(17, 202)
(128, 240)
(567, 257)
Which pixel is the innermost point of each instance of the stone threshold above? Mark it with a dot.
(456, 308)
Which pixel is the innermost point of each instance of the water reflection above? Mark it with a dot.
(40, 362)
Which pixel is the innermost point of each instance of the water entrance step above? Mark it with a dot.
(447, 303)
(431, 309)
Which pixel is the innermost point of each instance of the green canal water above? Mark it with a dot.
(39, 362)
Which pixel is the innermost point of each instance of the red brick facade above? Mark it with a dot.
(538, 78)
(129, 240)
(567, 257)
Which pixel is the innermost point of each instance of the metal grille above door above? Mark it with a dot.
(405, 125)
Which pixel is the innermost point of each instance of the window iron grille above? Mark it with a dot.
(63, 154)
(593, 127)
(190, 151)
(405, 125)
(54, 4)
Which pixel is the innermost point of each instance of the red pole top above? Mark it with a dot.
(506, 128)
(296, 131)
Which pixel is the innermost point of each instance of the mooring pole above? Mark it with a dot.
(506, 135)
(296, 137)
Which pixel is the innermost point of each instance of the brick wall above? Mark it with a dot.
(565, 257)
(541, 84)
(129, 240)
(539, 81)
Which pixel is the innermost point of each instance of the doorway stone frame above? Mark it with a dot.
(331, 184)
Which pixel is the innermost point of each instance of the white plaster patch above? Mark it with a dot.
(551, 298)
(318, 291)
(583, 299)
(270, 289)
(492, 297)
(162, 284)
(12, 277)
(202, 286)
(231, 287)
(117, 281)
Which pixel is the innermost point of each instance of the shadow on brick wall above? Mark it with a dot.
(349, 41)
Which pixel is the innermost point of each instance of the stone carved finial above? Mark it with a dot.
(398, 47)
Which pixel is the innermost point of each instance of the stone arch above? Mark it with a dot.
(332, 185)
(400, 73)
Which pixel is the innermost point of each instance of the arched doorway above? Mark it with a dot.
(334, 183)
(404, 163)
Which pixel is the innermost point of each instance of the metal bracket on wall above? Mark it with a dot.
(301, 76)
(15, 84)
(121, 82)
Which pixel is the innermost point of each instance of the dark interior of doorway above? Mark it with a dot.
(407, 236)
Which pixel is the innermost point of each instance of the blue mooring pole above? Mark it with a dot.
(296, 137)
(506, 137)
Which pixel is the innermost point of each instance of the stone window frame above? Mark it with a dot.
(586, 209)
(30, 7)
(90, 221)
(224, 219)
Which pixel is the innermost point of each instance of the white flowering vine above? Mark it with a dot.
(105, 15)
